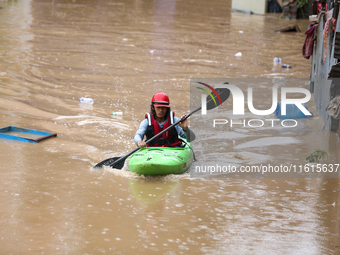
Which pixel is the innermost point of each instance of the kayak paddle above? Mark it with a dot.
(212, 102)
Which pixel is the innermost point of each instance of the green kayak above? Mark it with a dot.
(161, 160)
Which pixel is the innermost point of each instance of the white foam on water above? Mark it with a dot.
(200, 60)
(124, 172)
(71, 117)
(95, 120)
(102, 122)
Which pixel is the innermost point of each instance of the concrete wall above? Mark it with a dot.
(256, 6)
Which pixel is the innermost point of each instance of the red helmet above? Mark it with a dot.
(160, 99)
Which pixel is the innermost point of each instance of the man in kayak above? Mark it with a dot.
(159, 119)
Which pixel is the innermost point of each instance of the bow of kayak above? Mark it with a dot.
(161, 160)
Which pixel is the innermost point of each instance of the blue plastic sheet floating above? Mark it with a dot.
(28, 135)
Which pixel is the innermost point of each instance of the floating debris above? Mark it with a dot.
(290, 29)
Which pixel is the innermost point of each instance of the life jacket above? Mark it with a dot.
(168, 139)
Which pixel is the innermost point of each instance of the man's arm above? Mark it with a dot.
(138, 137)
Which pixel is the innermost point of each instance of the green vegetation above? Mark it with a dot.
(301, 3)
(316, 156)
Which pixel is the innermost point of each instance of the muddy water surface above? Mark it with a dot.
(120, 53)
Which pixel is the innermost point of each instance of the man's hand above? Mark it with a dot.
(184, 124)
(141, 144)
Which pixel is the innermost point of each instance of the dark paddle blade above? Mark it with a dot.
(223, 93)
(109, 162)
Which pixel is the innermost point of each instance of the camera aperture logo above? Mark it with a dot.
(211, 96)
(286, 110)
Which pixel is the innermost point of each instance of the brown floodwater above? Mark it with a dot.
(120, 53)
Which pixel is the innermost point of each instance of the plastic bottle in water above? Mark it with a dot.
(292, 112)
(286, 66)
(277, 60)
(86, 100)
(116, 113)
